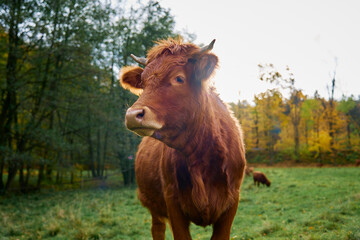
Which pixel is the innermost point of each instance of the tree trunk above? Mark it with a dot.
(104, 152)
(2, 165)
(12, 170)
(98, 154)
(27, 177)
(297, 142)
(348, 129)
(257, 130)
(295, 118)
(49, 172)
(9, 105)
(91, 153)
(21, 178)
(317, 130)
(58, 176)
(41, 175)
(331, 121)
(126, 173)
(306, 135)
(72, 177)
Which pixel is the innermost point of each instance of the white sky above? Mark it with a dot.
(306, 35)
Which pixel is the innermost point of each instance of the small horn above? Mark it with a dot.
(139, 60)
(207, 48)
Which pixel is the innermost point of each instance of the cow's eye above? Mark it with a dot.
(179, 80)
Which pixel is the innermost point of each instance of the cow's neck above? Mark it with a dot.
(203, 136)
(204, 154)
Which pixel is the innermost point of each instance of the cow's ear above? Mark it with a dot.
(204, 66)
(130, 79)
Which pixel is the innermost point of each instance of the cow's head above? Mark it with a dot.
(171, 88)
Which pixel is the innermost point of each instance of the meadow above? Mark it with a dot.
(301, 203)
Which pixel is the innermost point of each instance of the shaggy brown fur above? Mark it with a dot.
(357, 162)
(187, 166)
(248, 170)
(260, 177)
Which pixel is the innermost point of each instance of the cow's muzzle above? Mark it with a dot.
(142, 121)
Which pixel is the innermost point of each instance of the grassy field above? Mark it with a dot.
(302, 203)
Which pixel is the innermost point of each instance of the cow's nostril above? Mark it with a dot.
(140, 115)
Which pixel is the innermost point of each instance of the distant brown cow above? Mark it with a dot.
(260, 177)
(248, 170)
(190, 163)
(357, 162)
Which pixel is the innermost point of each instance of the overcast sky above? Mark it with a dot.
(306, 35)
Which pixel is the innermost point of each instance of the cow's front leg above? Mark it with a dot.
(178, 222)
(222, 227)
(158, 227)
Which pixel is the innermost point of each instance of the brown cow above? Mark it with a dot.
(357, 162)
(187, 166)
(260, 177)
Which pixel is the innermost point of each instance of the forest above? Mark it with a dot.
(297, 128)
(62, 108)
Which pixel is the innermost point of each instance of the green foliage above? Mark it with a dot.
(61, 104)
(298, 128)
(346, 105)
(302, 203)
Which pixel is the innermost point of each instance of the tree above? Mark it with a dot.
(311, 113)
(347, 106)
(13, 15)
(269, 105)
(286, 81)
(242, 111)
(61, 105)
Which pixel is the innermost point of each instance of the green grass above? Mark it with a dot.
(302, 203)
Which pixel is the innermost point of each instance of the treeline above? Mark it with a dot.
(61, 107)
(299, 128)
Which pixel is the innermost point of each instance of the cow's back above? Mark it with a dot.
(148, 176)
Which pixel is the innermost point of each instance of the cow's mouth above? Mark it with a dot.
(143, 131)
